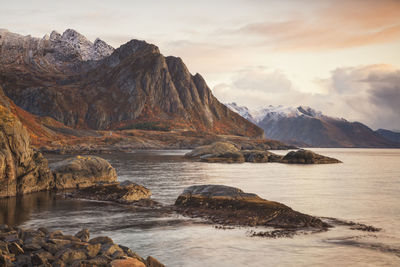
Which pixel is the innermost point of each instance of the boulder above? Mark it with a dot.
(216, 148)
(231, 206)
(126, 192)
(60, 250)
(82, 171)
(302, 156)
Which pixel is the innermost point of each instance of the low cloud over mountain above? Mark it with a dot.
(370, 94)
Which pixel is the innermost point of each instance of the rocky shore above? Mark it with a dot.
(227, 152)
(42, 247)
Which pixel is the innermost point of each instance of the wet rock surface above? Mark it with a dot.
(82, 171)
(125, 193)
(231, 206)
(45, 248)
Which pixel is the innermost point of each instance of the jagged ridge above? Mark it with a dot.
(81, 85)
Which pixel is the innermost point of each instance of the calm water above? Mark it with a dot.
(365, 189)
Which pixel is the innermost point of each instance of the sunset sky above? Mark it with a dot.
(340, 57)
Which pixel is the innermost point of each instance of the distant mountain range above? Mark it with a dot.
(304, 126)
(86, 85)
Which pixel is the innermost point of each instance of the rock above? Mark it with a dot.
(215, 149)
(302, 156)
(130, 262)
(152, 262)
(15, 249)
(260, 156)
(22, 169)
(63, 250)
(126, 192)
(69, 255)
(101, 240)
(83, 235)
(231, 206)
(229, 157)
(41, 258)
(81, 172)
(109, 249)
(93, 249)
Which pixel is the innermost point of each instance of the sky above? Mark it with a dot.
(339, 57)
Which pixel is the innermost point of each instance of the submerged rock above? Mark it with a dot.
(126, 192)
(302, 156)
(82, 171)
(65, 251)
(231, 206)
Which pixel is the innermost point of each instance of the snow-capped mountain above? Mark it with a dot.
(304, 126)
(65, 49)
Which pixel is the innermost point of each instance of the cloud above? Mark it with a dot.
(369, 94)
(332, 25)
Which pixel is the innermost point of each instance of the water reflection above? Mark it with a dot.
(365, 188)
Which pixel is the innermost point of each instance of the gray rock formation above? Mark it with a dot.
(22, 169)
(82, 171)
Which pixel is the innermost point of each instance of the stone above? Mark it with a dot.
(41, 258)
(231, 206)
(152, 262)
(93, 249)
(302, 156)
(83, 235)
(126, 192)
(129, 262)
(216, 148)
(15, 249)
(101, 240)
(69, 255)
(109, 249)
(82, 171)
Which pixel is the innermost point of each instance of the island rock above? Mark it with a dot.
(82, 171)
(231, 206)
(302, 156)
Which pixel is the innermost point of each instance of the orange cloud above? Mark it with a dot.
(340, 24)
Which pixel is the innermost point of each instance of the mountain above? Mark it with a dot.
(304, 126)
(87, 85)
(393, 136)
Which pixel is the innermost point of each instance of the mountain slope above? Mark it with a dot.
(93, 86)
(304, 126)
(389, 135)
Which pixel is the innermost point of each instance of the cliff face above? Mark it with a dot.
(93, 86)
(22, 170)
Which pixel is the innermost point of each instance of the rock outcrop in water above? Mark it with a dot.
(302, 156)
(22, 169)
(27, 247)
(82, 171)
(231, 206)
(230, 153)
(125, 193)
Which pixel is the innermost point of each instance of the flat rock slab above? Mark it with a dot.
(231, 206)
(125, 193)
